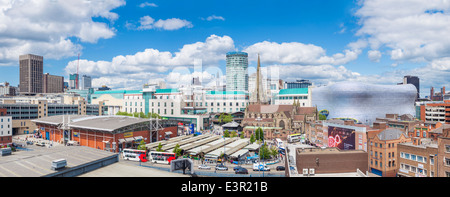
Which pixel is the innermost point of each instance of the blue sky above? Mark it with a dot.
(124, 44)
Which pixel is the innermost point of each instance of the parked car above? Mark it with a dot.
(241, 170)
(260, 167)
(280, 168)
(40, 144)
(237, 168)
(204, 167)
(221, 167)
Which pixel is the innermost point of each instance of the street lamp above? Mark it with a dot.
(261, 168)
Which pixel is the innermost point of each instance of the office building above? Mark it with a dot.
(73, 81)
(22, 113)
(5, 128)
(436, 112)
(237, 71)
(31, 74)
(294, 96)
(86, 82)
(7, 90)
(382, 150)
(52, 83)
(412, 80)
(297, 84)
(417, 158)
(225, 101)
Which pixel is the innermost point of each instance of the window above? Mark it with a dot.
(447, 161)
(447, 148)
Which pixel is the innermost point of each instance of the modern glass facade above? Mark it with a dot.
(237, 71)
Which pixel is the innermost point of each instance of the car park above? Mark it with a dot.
(204, 167)
(221, 167)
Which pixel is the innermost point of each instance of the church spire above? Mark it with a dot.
(258, 72)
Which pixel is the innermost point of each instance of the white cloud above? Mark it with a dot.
(147, 4)
(147, 22)
(45, 27)
(374, 55)
(214, 17)
(413, 30)
(145, 64)
(298, 53)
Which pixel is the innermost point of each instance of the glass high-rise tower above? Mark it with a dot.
(237, 71)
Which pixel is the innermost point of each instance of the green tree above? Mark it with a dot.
(177, 150)
(223, 118)
(227, 118)
(226, 133)
(252, 138)
(142, 146)
(264, 152)
(259, 134)
(233, 134)
(274, 152)
(159, 148)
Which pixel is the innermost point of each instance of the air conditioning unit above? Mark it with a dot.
(305, 171)
(312, 171)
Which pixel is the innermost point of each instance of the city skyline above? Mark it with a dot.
(124, 44)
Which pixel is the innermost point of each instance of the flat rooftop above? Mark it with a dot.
(37, 160)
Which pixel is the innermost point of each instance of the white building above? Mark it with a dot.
(226, 101)
(166, 102)
(133, 102)
(297, 95)
(5, 130)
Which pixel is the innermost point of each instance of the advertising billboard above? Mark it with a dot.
(342, 138)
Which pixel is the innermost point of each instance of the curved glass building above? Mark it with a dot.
(364, 102)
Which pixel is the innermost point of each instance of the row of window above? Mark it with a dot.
(380, 164)
(414, 157)
(415, 169)
(291, 97)
(380, 145)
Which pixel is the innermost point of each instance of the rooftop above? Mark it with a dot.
(161, 91)
(226, 92)
(102, 123)
(293, 91)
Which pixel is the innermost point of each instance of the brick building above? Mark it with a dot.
(417, 158)
(443, 156)
(330, 160)
(109, 133)
(382, 150)
(277, 121)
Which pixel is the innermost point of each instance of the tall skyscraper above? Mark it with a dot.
(31, 74)
(413, 80)
(237, 71)
(73, 81)
(86, 82)
(53, 84)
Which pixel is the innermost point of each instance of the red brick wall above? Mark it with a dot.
(91, 138)
(333, 162)
(174, 131)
